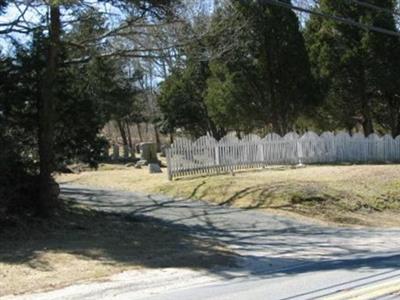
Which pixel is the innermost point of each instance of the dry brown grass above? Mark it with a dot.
(80, 245)
(117, 177)
(360, 195)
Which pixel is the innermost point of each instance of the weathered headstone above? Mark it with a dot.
(149, 152)
(115, 152)
(106, 153)
(154, 168)
(163, 150)
(141, 163)
(126, 152)
(133, 152)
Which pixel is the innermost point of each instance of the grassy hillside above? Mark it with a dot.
(362, 195)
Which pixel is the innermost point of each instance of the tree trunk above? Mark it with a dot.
(350, 129)
(128, 131)
(131, 146)
(157, 138)
(396, 131)
(394, 112)
(139, 132)
(366, 108)
(122, 132)
(368, 127)
(395, 127)
(276, 125)
(46, 111)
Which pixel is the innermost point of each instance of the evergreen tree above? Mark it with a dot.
(92, 93)
(233, 95)
(228, 99)
(270, 64)
(181, 98)
(355, 68)
(181, 101)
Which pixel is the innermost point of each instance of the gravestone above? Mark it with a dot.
(115, 152)
(154, 168)
(126, 152)
(149, 152)
(163, 150)
(133, 152)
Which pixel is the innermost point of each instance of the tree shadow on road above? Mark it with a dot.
(107, 232)
(80, 243)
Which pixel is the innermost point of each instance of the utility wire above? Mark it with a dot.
(333, 17)
(372, 6)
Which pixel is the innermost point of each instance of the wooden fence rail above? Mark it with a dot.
(207, 155)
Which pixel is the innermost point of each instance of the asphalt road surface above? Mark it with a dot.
(277, 257)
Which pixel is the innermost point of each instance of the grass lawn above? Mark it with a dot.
(351, 195)
(80, 244)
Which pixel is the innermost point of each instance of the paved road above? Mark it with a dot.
(277, 257)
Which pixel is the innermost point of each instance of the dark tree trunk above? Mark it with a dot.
(139, 132)
(396, 131)
(276, 125)
(122, 132)
(366, 108)
(394, 112)
(368, 127)
(350, 129)
(128, 131)
(367, 124)
(157, 135)
(47, 201)
(131, 145)
(395, 127)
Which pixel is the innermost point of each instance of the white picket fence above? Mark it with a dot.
(207, 155)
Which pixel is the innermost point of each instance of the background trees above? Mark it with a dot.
(63, 79)
(356, 68)
(283, 75)
(259, 75)
(269, 72)
(192, 67)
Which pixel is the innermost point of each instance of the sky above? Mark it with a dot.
(34, 15)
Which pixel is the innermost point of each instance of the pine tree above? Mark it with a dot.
(355, 67)
(269, 63)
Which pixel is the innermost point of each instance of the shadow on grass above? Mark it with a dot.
(278, 168)
(308, 198)
(254, 170)
(109, 237)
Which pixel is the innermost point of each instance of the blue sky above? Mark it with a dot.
(33, 15)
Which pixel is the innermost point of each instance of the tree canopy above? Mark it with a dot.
(68, 68)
